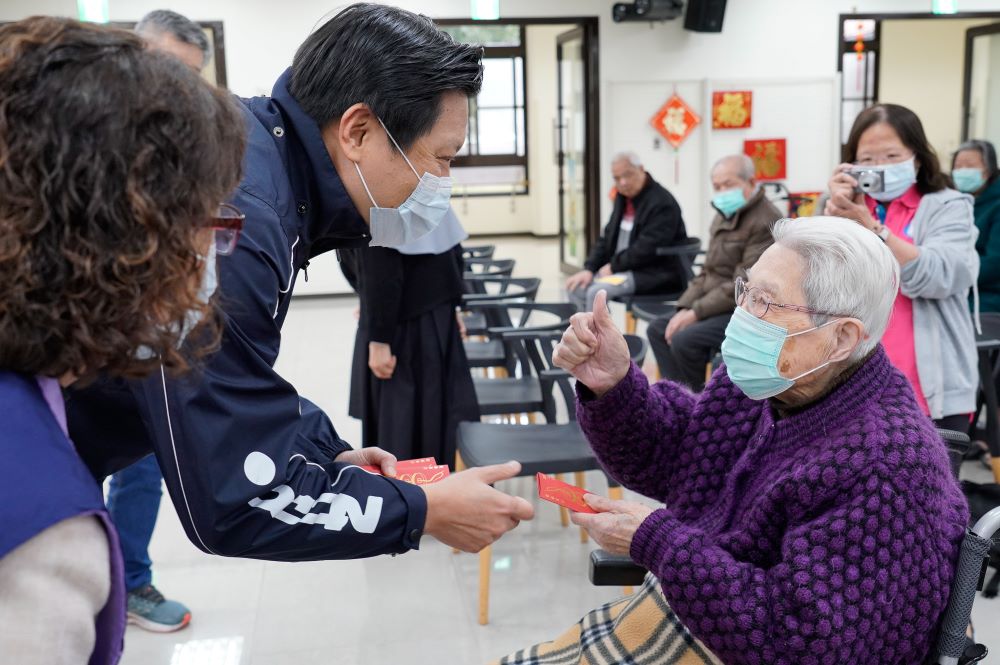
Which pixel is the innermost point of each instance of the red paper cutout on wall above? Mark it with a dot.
(732, 109)
(675, 121)
(768, 157)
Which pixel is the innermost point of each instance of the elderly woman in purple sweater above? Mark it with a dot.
(810, 514)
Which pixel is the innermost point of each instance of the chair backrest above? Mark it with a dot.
(510, 316)
(637, 348)
(537, 347)
(486, 288)
(686, 252)
(478, 251)
(491, 267)
(958, 443)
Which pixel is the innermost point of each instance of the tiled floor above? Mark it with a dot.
(415, 609)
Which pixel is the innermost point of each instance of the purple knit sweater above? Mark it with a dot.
(828, 536)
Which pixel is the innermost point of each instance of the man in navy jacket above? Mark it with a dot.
(254, 469)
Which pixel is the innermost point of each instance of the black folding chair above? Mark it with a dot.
(509, 316)
(489, 288)
(491, 267)
(478, 251)
(687, 253)
(552, 448)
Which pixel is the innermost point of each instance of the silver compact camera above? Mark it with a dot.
(869, 180)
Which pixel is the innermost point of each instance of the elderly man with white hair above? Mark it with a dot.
(809, 513)
(686, 340)
(624, 261)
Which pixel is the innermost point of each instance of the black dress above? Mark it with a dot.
(408, 302)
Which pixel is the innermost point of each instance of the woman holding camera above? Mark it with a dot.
(893, 186)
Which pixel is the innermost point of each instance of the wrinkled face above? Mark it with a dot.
(880, 145)
(726, 176)
(970, 159)
(389, 178)
(777, 276)
(189, 54)
(628, 177)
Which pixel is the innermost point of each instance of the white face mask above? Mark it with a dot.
(897, 179)
(209, 284)
(418, 215)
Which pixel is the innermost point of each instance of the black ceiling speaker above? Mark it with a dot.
(705, 15)
(647, 10)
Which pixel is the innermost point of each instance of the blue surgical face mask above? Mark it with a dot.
(968, 180)
(750, 351)
(729, 201)
(897, 178)
(417, 216)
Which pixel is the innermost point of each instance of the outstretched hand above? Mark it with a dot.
(593, 350)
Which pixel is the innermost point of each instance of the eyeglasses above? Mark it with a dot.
(227, 222)
(758, 304)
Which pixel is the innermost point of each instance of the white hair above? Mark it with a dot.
(745, 168)
(629, 157)
(848, 271)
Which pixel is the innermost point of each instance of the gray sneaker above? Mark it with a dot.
(148, 609)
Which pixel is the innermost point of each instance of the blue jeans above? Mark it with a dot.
(134, 501)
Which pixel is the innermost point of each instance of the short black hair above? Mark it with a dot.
(396, 62)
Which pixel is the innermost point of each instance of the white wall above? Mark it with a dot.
(922, 66)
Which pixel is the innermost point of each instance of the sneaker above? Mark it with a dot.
(148, 609)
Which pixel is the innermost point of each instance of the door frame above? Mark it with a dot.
(592, 75)
(970, 36)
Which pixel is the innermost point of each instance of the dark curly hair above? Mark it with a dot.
(112, 160)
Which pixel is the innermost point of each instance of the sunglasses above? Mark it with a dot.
(227, 222)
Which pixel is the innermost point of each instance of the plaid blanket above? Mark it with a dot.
(640, 629)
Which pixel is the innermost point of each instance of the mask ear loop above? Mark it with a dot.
(365, 185)
(407, 159)
(818, 367)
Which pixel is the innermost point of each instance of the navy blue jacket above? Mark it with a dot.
(248, 462)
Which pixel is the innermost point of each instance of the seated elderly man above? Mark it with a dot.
(684, 341)
(810, 514)
(624, 261)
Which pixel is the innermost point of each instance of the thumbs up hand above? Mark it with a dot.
(593, 349)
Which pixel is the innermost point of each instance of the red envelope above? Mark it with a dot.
(420, 471)
(425, 476)
(563, 494)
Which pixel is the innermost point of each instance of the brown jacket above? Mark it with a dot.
(734, 245)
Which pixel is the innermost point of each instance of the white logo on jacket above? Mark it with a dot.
(341, 508)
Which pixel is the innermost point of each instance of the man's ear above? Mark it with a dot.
(354, 131)
(849, 333)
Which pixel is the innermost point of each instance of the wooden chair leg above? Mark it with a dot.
(532, 418)
(578, 479)
(627, 590)
(631, 323)
(485, 561)
(708, 371)
(563, 512)
(615, 493)
(459, 466)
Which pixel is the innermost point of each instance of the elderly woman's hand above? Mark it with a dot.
(845, 201)
(614, 524)
(593, 349)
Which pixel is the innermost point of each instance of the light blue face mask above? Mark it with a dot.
(897, 178)
(729, 201)
(968, 180)
(750, 351)
(417, 216)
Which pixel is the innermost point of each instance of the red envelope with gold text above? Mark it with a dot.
(420, 471)
(563, 494)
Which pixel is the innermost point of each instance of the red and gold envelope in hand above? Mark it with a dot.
(420, 471)
(563, 494)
